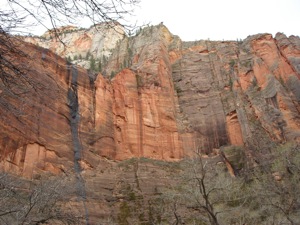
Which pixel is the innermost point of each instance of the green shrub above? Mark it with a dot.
(232, 63)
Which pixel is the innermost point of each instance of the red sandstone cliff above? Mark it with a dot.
(168, 98)
(239, 93)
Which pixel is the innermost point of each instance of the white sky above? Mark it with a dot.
(223, 19)
(216, 19)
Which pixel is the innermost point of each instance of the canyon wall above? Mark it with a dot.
(161, 98)
(82, 46)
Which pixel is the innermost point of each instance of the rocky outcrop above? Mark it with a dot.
(82, 46)
(276, 104)
(200, 80)
(236, 93)
(161, 98)
(149, 101)
(35, 125)
(64, 110)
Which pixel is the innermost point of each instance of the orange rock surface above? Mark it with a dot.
(172, 98)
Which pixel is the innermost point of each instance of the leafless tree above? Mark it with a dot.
(54, 13)
(201, 193)
(276, 188)
(205, 193)
(35, 202)
(202, 188)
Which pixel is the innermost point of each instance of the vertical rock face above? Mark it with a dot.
(165, 98)
(289, 49)
(146, 106)
(229, 92)
(201, 78)
(35, 126)
(275, 93)
(234, 129)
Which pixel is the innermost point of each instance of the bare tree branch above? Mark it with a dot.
(60, 12)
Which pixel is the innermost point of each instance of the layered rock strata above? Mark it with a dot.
(165, 98)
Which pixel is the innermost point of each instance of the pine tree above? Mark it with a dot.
(92, 63)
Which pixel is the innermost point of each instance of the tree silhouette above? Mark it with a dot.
(16, 14)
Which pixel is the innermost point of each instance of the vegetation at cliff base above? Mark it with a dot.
(197, 190)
